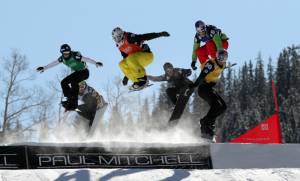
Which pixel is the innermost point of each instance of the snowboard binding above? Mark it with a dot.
(68, 105)
(132, 88)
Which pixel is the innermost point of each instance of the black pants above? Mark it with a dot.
(172, 93)
(216, 103)
(73, 79)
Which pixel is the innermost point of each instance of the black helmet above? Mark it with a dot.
(200, 26)
(65, 48)
(167, 65)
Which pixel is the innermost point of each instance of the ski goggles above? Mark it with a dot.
(169, 70)
(222, 56)
(201, 29)
(66, 53)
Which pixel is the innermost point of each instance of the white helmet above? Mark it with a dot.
(117, 34)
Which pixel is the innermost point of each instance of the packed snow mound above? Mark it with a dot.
(290, 174)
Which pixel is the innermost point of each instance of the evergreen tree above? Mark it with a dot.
(260, 87)
(295, 67)
(229, 85)
(282, 75)
(251, 78)
(244, 93)
(270, 108)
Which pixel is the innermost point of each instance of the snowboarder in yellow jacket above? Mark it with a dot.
(136, 55)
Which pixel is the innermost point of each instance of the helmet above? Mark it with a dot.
(200, 26)
(65, 48)
(117, 34)
(168, 65)
(82, 84)
(222, 55)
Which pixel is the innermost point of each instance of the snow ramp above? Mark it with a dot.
(105, 155)
(148, 155)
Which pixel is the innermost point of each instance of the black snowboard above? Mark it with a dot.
(87, 112)
(181, 102)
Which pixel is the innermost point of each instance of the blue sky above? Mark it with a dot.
(38, 28)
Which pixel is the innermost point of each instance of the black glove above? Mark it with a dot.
(164, 33)
(192, 85)
(193, 65)
(40, 69)
(125, 80)
(189, 72)
(99, 64)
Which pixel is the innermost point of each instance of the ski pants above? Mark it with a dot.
(216, 103)
(71, 92)
(209, 50)
(133, 66)
(172, 93)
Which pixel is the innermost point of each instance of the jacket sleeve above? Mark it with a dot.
(217, 36)
(157, 78)
(52, 64)
(209, 67)
(89, 60)
(195, 46)
(186, 72)
(99, 99)
(137, 38)
(218, 41)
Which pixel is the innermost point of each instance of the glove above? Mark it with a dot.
(193, 65)
(164, 33)
(192, 85)
(40, 69)
(189, 72)
(125, 80)
(99, 64)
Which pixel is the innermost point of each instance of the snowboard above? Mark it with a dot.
(133, 90)
(181, 102)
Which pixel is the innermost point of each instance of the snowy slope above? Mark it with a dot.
(289, 174)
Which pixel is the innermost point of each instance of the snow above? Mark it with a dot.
(223, 156)
(290, 174)
(70, 132)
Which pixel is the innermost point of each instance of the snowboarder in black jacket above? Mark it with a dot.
(176, 78)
